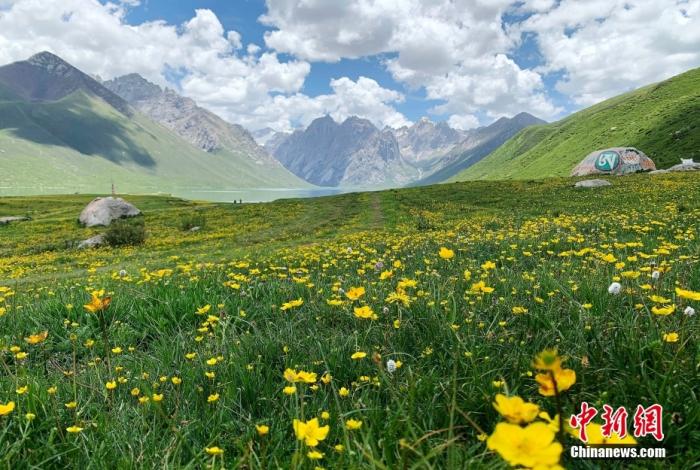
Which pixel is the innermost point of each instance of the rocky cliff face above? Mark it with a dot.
(354, 153)
(182, 115)
(426, 140)
(357, 153)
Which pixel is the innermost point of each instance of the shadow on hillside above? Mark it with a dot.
(75, 125)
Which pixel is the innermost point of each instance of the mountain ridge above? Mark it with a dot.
(334, 153)
(661, 119)
(63, 130)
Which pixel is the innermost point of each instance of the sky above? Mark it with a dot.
(283, 63)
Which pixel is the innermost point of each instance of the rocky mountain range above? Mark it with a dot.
(356, 153)
(351, 153)
(62, 131)
(200, 127)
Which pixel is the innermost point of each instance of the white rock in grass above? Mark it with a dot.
(615, 288)
(104, 210)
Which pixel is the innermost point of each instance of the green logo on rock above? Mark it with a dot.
(607, 161)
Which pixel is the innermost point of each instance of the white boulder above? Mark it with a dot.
(104, 210)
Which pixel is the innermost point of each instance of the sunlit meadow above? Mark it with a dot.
(375, 330)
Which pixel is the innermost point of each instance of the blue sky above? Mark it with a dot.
(468, 62)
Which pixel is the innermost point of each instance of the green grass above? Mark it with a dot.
(662, 120)
(250, 259)
(82, 144)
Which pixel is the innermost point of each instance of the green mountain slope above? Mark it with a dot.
(662, 120)
(81, 144)
(62, 131)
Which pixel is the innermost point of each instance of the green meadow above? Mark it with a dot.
(365, 330)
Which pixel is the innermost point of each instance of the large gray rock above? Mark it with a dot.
(686, 164)
(92, 242)
(104, 210)
(592, 183)
(8, 219)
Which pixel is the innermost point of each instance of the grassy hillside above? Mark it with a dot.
(81, 144)
(662, 120)
(198, 359)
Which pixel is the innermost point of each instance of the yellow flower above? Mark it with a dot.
(7, 408)
(212, 398)
(547, 360)
(488, 265)
(203, 310)
(480, 288)
(111, 385)
(364, 312)
(135, 392)
(157, 397)
(687, 294)
(325, 415)
(29, 416)
(658, 299)
(74, 429)
(176, 380)
(52, 390)
(671, 337)
(343, 392)
(358, 355)
(291, 375)
(385, 275)
(310, 431)
(446, 253)
(353, 424)
(564, 378)
(37, 338)
(314, 455)
(519, 310)
(292, 304)
(290, 390)
(71, 405)
(665, 310)
(515, 409)
(355, 293)
(214, 450)
(22, 390)
(262, 429)
(531, 446)
(98, 302)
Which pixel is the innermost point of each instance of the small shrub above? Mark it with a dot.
(422, 223)
(190, 221)
(126, 232)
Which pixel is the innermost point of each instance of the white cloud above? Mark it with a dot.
(364, 98)
(606, 47)
(454, 49)
(239, 82)
(463, 121)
